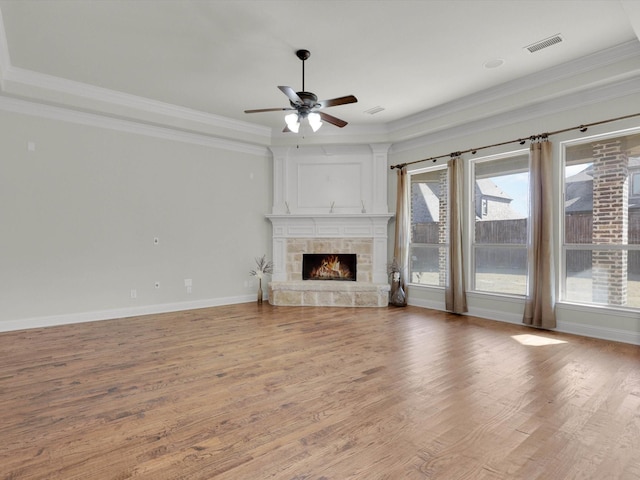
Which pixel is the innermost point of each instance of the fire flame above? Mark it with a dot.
(330, 267)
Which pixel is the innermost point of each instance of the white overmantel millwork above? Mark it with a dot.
(310, 180)
(329, 192)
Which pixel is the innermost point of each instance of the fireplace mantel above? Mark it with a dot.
(331, 226)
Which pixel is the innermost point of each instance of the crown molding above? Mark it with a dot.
(580, 66)
(14, 78)
(598, 94)
(51, 112)
(111, 97)
(5, 61)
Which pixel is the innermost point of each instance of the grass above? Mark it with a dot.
(579, 289)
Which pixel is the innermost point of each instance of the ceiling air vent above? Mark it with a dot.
(547, 42)
(374, 110)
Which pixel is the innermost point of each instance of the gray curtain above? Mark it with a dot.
(455, 290)
(401, 245)
(540, 301)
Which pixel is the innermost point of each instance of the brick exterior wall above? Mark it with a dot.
(610, 222)
(443, 231)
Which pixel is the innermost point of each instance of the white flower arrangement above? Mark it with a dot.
(263, 267)
(394, 270)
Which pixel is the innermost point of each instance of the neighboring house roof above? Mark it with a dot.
(425, 204)
(579, 192)
(486, 187)
(579, 189)
(498, 203)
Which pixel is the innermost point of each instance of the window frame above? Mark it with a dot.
(635, 184)
(471, 227)
(411, 174)
(564, 247)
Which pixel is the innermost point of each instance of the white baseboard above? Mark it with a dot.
(426, 303)
(55, 320)
(514, 318)
(603, 333)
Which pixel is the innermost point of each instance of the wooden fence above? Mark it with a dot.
(578, 229)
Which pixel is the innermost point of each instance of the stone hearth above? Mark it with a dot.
(329, 293)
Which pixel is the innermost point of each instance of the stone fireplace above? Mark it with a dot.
(330, 201)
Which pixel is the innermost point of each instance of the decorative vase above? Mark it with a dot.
(259, 290)
(397, 296)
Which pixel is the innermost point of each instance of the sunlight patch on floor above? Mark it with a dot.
(536, 340)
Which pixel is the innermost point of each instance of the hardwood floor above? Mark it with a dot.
(308, 393)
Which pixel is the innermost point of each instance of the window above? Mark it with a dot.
(501, 206)
(428, 249)
(601, 238)
(635, 184)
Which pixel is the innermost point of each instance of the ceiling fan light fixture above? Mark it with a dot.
(305, 104)
(315, 121)
(293, 122)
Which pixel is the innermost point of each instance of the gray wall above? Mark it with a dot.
(80, 210)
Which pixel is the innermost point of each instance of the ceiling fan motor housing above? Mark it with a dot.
(309, 102)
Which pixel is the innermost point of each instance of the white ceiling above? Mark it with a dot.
(225, 56)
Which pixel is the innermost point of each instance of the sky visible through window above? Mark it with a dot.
(517, 187)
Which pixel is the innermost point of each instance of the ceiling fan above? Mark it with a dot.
(306, 105)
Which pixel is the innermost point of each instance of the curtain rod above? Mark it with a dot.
(521, 141)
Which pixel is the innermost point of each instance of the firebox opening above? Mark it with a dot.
(329, 266)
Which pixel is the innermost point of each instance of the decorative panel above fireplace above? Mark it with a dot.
(329, 266)
(340, 179)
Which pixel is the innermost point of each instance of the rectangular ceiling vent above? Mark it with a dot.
(374, 110)
(547, 42)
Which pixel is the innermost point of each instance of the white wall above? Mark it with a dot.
(589, 321)
(79, 212)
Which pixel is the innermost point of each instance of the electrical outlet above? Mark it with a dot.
(134, 293)
(156, 241)
(157, 285)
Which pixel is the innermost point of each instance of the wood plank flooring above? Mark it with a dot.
(311, 393)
